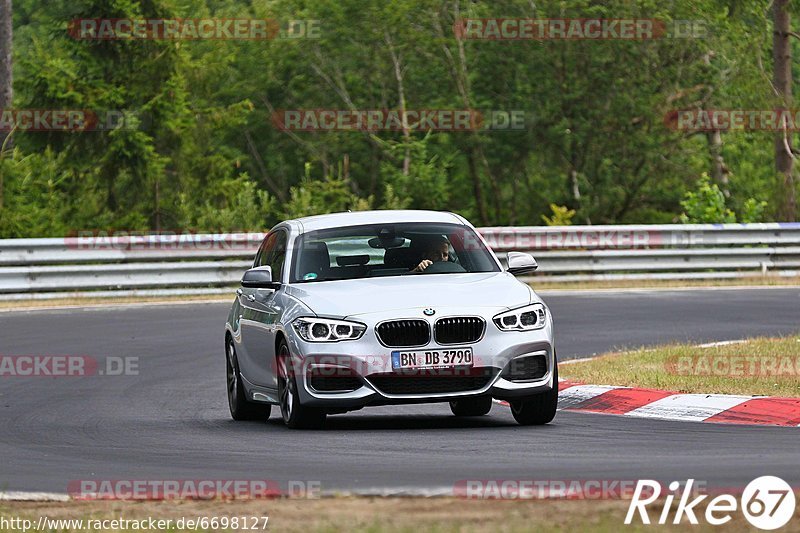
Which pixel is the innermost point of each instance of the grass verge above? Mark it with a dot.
(404, 514)
(760, 366)
(542, 284)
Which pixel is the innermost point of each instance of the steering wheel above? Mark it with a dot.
(443, 267)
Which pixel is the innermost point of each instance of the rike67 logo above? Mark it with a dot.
(767, 502)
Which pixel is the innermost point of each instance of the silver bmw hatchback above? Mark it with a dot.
(349, 310)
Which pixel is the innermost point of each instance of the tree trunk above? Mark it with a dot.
(401, 97)
(719, 170)
(6, 32)
(782, 80)
(483, 216)
(6, 92)
(475, 154)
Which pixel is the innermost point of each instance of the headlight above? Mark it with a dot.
(327, 330)
(526, 318)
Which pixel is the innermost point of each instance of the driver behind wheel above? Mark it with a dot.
(438, 249)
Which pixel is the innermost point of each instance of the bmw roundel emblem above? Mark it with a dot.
(429, 311)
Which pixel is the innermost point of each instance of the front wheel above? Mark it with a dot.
(471, 406)
(295, 415)
(537, 409)
(240, 408)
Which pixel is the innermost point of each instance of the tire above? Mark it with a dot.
(240, 408)
(295, 415)
(538, 409)
(471, 406)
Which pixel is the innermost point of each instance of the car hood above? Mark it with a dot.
(378, 295)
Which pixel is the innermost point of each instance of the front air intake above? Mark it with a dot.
(459, 329)
(403, 333)
(323, 378)
(421, 383)
(526, 368)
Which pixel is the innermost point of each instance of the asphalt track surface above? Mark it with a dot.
(171, 421)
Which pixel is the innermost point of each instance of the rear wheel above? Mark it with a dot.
(295, 415)
(471, 406)
(240, 408)
(537, 409)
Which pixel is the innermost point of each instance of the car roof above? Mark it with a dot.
(388, 216)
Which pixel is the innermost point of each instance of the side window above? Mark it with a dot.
(278, 257)
(265, 251)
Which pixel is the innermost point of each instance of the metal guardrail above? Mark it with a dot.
(208, 263)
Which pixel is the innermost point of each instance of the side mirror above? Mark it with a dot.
(520, 263)
(259, 278)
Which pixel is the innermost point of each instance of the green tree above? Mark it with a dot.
(707, 205)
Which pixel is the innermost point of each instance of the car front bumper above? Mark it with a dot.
(368, 360)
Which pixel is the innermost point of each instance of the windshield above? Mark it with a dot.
(389, 250)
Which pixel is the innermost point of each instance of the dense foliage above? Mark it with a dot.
(200, 151)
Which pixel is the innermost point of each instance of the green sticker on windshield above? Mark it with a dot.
(310, 275)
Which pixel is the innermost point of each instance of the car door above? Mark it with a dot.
(261, 312)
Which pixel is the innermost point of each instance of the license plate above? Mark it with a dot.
(432, 358)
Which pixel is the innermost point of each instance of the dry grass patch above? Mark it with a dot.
(403, 514)
(542, 284)
(760, 366)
